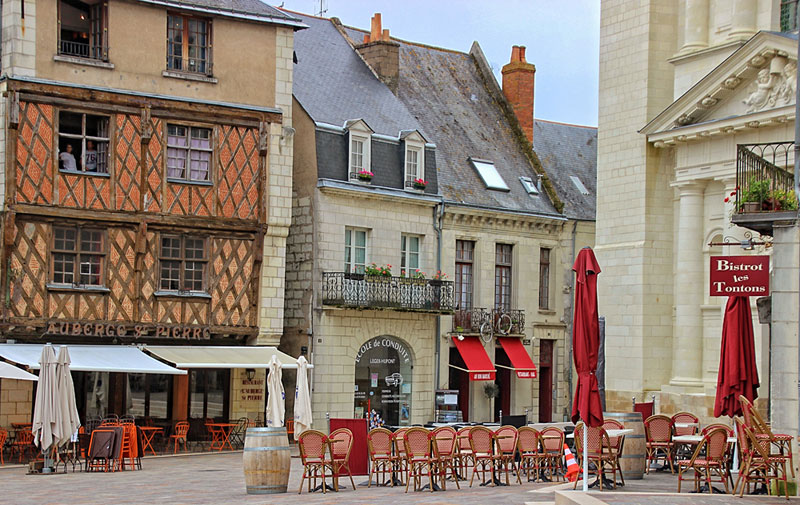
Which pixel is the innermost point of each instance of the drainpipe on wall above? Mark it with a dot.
(797, 192)
(438, 215)
(569, 318)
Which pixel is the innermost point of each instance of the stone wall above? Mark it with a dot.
(16, 402)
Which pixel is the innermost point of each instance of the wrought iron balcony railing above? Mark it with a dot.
(82, 50)
(503, 322)
(764, 179)
(361, 291)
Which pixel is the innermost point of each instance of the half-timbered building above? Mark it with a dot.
(146, 175)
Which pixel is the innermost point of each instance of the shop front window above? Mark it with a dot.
(208, 394)
(149, 395)
(383, 382)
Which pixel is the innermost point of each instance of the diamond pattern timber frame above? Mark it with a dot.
(231, 272)
(189, 200)
(128, 154)
(34, 164)
(84, 191)
(239, 174)
(154, 166)
(121, 274)
(28, 270)
(149, 280)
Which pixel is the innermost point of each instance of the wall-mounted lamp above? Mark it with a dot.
(251, 372)
(303, 350)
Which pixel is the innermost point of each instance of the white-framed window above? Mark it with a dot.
(355, 250)
(358, 147)
(188, 153)
(414, 159)
(409, 254)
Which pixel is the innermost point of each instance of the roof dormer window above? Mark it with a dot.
(489, 174)
(529, 185)
(414, 160)
(359, 148)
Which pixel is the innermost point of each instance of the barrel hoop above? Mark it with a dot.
(272, 448)
(266, 489)
(633, 436)
(632, 456)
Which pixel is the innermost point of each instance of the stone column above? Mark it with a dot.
(695, 25)
(687, 341)
(743, 24)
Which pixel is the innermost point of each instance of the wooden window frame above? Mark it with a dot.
(503, 269)
(189, 150)
(545, 254)
(103, 160)
(98, 34)
(182, 260)
(465, 263)
(185, 59)
(406, 252)
(77, 252)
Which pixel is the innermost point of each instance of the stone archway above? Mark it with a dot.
(383, 381)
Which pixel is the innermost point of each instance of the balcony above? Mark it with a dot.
(359, 291)
(511, 322)
(82, 50)
(765, 185)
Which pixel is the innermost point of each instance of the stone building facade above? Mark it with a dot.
(717, 75)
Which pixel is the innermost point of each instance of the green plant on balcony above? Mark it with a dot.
(754, 194)
(374, 270)
(782, 199)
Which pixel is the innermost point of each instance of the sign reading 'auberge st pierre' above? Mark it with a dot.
(739, 276)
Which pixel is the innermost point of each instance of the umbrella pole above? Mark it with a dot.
(48, 462)
(585, 461)
(735, 468)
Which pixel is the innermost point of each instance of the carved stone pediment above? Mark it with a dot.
(758, 77)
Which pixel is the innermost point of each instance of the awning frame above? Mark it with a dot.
(170, 352)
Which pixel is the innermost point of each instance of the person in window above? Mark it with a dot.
(68, 159)
(91, 157)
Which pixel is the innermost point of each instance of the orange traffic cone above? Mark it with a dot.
(572, 467)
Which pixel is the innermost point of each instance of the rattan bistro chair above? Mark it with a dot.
(658, 436)
(710, 457)
(444, 441)
(381, 458)
(418, 455)
(313, 445)
(481, 440)
(553, 445)
(530, 453)
(341, 441)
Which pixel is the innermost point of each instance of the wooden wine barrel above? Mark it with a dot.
(633, 459)
(266, 460)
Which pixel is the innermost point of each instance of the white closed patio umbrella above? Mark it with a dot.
(70, 421)
(46, 410)
(276, 408)
(302, 399)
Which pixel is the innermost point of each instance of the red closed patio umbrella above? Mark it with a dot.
(738, 374)
(585, 343)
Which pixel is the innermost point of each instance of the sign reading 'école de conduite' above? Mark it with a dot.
(739, 276)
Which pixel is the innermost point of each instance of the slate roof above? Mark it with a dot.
(447, 94)
(251, 9)
(333, 84)
(569, 150)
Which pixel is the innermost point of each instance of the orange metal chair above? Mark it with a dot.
(23, 443)
(658, 437)
(444, 453)
(290, 428)
(418, 456)
(3, 437)
(312, 445)
(179, 435)
(379, 443)
(341, 442)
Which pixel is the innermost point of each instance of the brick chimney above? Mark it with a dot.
(518, 78)
(381, 53)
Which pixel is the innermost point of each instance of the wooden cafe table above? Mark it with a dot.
(221, 435)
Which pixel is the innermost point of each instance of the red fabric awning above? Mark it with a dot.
(523, 364)
(477, 361)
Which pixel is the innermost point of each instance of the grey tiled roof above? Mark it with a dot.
(333, 84)
(569, 150)
(448, 95)
(253, 9)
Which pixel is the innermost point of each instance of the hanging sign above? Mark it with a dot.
(739, 276)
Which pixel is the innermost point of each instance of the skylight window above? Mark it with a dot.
(489, 174)
(529, 186)
(578, 184)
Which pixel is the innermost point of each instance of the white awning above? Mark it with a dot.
(92, 358)
(221, 357)
(11, 372)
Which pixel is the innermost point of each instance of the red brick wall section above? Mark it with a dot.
(518, 83)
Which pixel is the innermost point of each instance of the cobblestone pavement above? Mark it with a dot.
(219, 479)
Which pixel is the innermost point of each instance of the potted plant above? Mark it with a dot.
(420, 184)
(365, 175)
(437, 278)
(781, 199)
(754, 195)
(491, 390)
(377, 273)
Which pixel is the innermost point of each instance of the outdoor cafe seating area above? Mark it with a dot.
(116, 443)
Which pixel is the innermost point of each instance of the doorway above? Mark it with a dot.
(503, 381)
(459, 379)
(545, 381)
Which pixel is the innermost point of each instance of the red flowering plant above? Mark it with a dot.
(378, 271)
(439, 276)
(365, 175)
(420, 183)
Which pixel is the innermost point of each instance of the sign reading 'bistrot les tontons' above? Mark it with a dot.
(739, 276)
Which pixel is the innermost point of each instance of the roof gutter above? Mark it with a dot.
(545, 215)
(231, 13)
